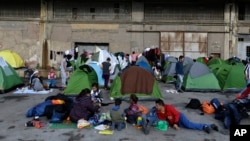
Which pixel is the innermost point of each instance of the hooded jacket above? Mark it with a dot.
(83, 108)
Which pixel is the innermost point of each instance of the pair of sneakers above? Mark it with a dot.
(212, 126)
(35, 123)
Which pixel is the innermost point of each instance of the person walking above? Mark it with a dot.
(179, 69)
(246, 76)
(247, 71)
(106, 67)
(63, 69)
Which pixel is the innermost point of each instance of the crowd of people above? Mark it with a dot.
(88, 102)
(85, 107)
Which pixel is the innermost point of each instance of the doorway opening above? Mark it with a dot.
(90, 48)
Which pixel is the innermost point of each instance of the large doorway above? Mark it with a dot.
(91, 48)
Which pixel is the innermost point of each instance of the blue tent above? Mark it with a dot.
(146, 66)
(98, 71)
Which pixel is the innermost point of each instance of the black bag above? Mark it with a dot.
(194, 103)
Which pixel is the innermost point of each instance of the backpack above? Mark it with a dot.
(143, 109)
(194, 103)
(207, 107)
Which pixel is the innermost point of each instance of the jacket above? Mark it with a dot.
(116, 115)
(171, 115)
(83, 108)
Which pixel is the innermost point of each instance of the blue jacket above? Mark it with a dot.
(179, 69)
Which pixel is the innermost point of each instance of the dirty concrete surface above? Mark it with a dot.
(14, 107)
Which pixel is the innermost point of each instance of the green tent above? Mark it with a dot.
(215, 61)
(78, 62)
(83, 77)
(10, 80)
(233, 60)
(230, 77)
(200, 78)
(169, 70)
(203, 60)
(135, 80)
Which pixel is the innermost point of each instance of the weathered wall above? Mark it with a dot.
(21, 37)
(215, 43)
(28, 38)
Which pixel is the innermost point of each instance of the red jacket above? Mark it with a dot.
(244, 94)
(171, 115)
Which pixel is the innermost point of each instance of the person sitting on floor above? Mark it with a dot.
(96, 94)
(117, 116)
(83, 107)
(36, 82)
(133, 111)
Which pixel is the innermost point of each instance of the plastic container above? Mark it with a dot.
(162, 125)
(139, 121)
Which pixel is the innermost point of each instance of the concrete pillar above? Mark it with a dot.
(43, 50)
(230, 49)
(137, 38)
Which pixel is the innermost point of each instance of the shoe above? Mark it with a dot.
(36, 118)
(29, 124)
(146, 128)
(214, 127)
(180, 91)
(206, 129)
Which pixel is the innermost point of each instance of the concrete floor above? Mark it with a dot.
(14, 107)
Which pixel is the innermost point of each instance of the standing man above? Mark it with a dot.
(247, 71)
(247, 75)
(133, 58)
(63, 71)
(179, 69)
(106, 67)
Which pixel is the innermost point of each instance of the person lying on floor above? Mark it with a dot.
(175, 119)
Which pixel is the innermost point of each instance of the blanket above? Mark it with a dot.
(25, 90)
(63, 125)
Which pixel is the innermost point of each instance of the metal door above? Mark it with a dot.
(189, 44)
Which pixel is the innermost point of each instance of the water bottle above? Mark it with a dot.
(139, 121)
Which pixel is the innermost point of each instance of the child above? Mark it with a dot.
(133, 111)
(96, 94)
(117, 116)
(52, 77)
